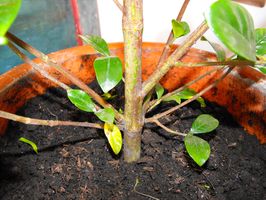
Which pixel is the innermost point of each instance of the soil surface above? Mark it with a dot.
(77, 163)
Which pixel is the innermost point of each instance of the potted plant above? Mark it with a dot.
(237, 33)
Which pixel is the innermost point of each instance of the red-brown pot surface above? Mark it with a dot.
(242, 92)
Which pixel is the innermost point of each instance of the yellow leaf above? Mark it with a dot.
(114, 137)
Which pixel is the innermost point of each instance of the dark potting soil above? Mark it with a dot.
(77, 163)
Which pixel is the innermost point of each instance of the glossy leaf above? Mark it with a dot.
(261, 41)
(261, 68)
(217, 48)
(198, 149)
(159, 90)
(114, 137)
(108, 72)
(204, 124)
(185, 94)
(8, 12)
(97, 43)
(174, 97)
(32, 144)
(81, 100)
(106, 115)
(234, 26)
(179, 28)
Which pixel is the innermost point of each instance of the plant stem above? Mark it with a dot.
(170, 39)
(63, 71)
(176, 55)
(167, 112)
(166, 49)
(118, 4)
(157, 101)
(27, 120)
(36, 66)
(156, 121)
(134, 119)
(220, 63)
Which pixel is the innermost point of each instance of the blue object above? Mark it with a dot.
(45, 24)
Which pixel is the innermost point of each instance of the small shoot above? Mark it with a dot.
(114, 137)
(9, 10)
(184, 95)
(32, 144)
(159, 90)
(97, 43)
(81, 100)
(197, 148)
(234, 26)
(108, 72)
(179, 28)
(107, 96)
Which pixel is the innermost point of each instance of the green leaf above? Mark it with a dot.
(8, 12)
(106, 115)
(81, 100)
(185, 94)
(159, 90)
(204, 124)
(234, 26)
(261, 41)
(198, 149)
(114, 137)
(217, 48)
(32, 144)
(108, 96)
(108, 72)
(174, 97)
(97, 43)
(180, 28)
(261, 68)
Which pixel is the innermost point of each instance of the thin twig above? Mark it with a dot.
(170, 61)
(36, 66)
(119, 5)
(167, 112)
(63, 71)
(220, 63)
(166, 49)
(157, 101)
(170, 39)
(32, 121)
(156, 121)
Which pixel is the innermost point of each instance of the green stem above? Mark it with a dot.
(134, 120)
(176, 55)
(169, 111)
(155, 102)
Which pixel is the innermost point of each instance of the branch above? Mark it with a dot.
(167, 112)
(51, 123)
(176, 55)
(166, 49)
(171, 35)
(36, 66)
(155, 102)
(156, 121)
(119, 5)
(63, 71)
(220, 63)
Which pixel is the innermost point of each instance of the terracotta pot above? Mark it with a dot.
(242, 92)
